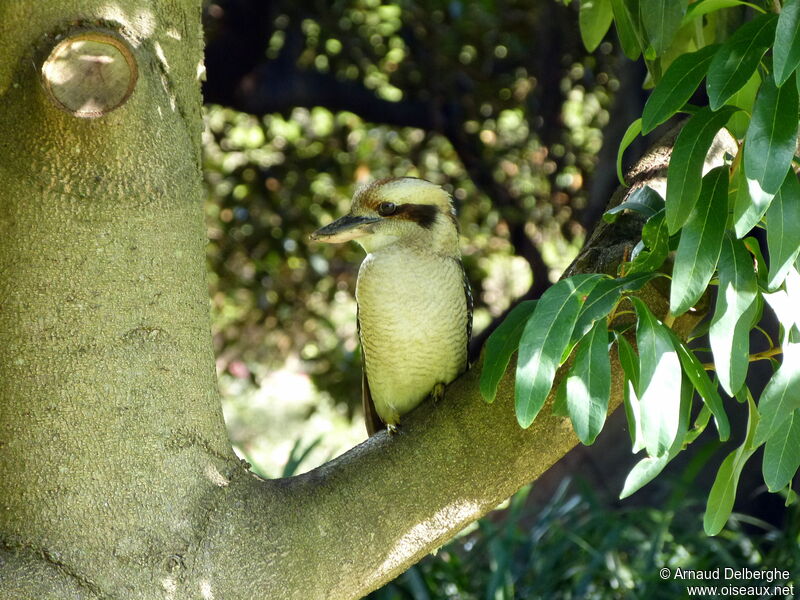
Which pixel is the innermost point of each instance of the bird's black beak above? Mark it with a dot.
(344, 229)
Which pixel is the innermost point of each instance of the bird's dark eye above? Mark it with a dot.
(386, 208)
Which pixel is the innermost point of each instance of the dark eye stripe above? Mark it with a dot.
(423, 215)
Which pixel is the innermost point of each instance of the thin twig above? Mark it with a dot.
(753, 357)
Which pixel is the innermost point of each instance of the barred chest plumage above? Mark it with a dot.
(413, 317)
(414, 304)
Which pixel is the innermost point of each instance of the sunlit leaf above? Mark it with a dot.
(785, 303)
(770, 141)
(747, 210)
(723, 492)
(676, 87)
(649, 467)
(686, 165)
(661, 20)
(700, 243)
(729, 333)
(594, 20)
(543, 341)
(659, 381)
(630, 366)
(634, 129)
(589, 384)
(786, 52)
(782, 454)
(501, 345)
(633, 416)
(708, 391)
(783, 230)
(781, 396)
(643, 472)
(738, 57)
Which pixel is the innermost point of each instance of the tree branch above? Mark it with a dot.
(386, 503)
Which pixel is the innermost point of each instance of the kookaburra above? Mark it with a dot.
(414, 301)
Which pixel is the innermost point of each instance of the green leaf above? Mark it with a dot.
(560, 401)
(782, 454)
(703, 7)
(659, 381)
(744, 99)
(630, 366)
(738, 57)
(661, 20)
(747, 209)
(594, 20)
(770, 141)
(703, 417)
(628, 359)
(634, 129)
(643, 473)
(783, 230)
(602, 300)
(644, 200)
(708, 391)
(648, 468)
(700, 243)
(627, 30)
(685, 170)
(589, 385)
(676, 87)
(723, 492)
(784, 304)
(782, 394)
(786, 52)
(501, 345)
(544, 339)
(729, 333)
(656, 238)
(754, 249)
(633, 415)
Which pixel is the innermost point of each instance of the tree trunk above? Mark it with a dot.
(118, 480)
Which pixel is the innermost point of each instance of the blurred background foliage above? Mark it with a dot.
(577, 546)
(497, 101)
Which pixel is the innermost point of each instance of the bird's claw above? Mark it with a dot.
(437, 393)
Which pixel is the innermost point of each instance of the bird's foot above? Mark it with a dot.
(437, 393)
(392, 428)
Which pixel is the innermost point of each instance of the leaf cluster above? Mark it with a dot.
(704, 236)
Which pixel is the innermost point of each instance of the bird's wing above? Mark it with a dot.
(470, 303)
(371, 418)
